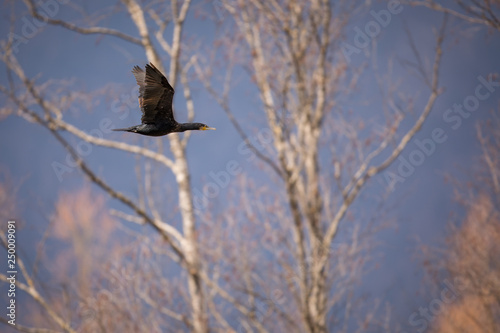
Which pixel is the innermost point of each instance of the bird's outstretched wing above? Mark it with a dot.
(155, 95)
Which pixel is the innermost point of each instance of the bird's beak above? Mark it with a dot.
(208, 128)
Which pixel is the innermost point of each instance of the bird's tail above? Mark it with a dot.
(128, 129)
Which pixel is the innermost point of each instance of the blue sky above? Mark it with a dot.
(420, 206)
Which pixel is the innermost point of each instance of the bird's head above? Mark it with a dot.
(203, 127)
(194, 127)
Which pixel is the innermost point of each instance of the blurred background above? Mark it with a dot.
(352, 184)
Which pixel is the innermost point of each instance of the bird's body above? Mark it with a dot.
(162, 128)
(155, 100)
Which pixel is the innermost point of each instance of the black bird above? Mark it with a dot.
(155, 100)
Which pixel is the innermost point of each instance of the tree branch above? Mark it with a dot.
(85, 31)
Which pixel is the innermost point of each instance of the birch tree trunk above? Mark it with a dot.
(296, 62)
(180, 169)
(187, 242)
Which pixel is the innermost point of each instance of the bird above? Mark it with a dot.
(155, 101)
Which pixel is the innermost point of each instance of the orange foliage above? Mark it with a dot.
(83, 224)
(474, 251)
(475, 257)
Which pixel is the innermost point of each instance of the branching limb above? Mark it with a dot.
(31, 290)
(85, 31)
(374, 170)
(223, 103)
(163, 228)
(485, 16)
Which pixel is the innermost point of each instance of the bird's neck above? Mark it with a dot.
(188, 127)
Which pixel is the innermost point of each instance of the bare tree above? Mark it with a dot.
(483, 12)
(317, 163)
(184, 244)
(292, 51)
(470, 255)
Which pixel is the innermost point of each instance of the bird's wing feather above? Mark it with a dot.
(140, 75)
(155, 95)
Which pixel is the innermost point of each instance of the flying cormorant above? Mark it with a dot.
(155, 100)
